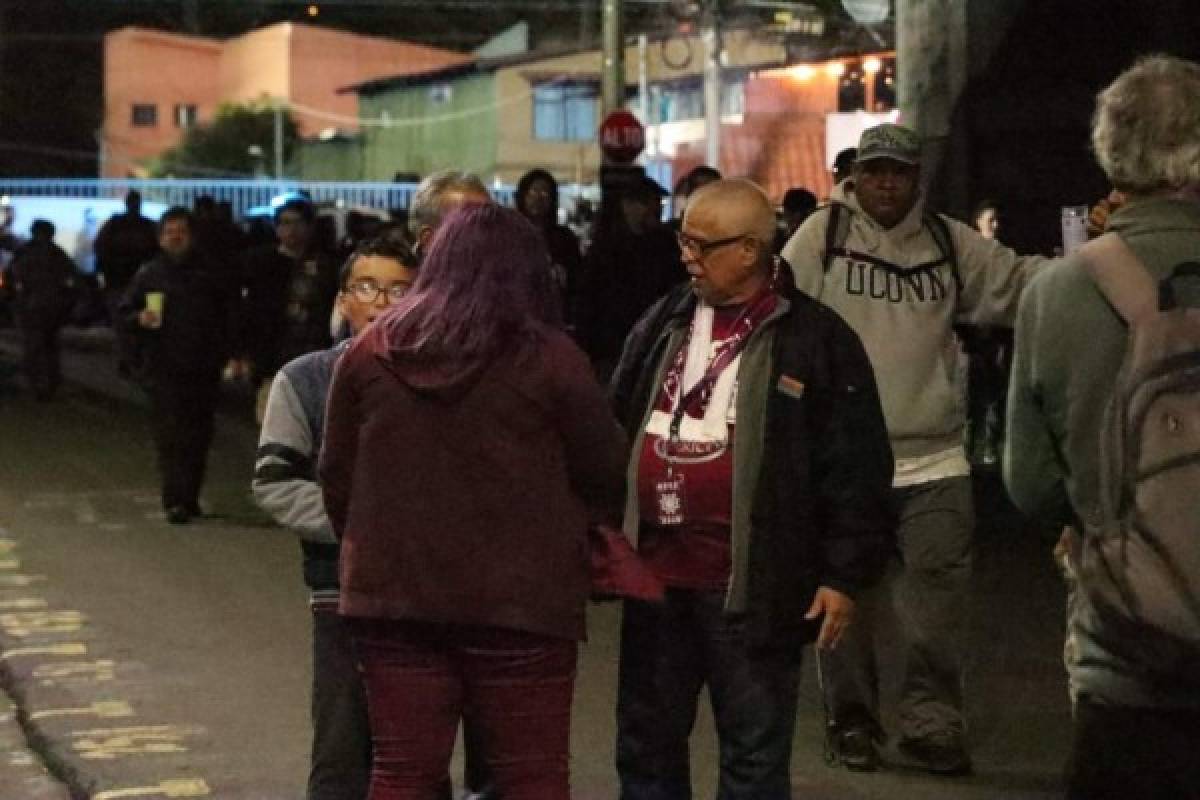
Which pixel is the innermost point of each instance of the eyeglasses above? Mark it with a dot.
(368, 291)
(701, 247)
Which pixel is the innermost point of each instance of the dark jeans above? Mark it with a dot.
(989, 354)
(341, 747)
(183, 431)
(1122, 753)
(668, 653)
(39, 341)
(422, 677)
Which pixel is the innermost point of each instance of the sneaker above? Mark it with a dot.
(853, 747)
(990, 456)
(941, 753)
(178, 515)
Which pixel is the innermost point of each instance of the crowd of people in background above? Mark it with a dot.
(785, 441)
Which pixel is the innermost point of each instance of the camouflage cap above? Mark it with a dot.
(889, 141)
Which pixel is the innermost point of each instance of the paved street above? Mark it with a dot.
(159, 661)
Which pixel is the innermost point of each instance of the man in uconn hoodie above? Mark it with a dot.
(902, 277)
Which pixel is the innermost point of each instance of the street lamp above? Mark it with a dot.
(256, 152)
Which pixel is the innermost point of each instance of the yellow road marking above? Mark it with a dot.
(111, 743)
(63, 649)
(101, 708)
(28, 623)
(173, 788)
(20, 580)
(22, 604)
(103, 670)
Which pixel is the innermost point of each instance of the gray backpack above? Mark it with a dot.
(1140, 556)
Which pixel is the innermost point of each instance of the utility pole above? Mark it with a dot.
(931, 67)
(643, 42)
(191, 16)
(278, 139)
(712, 84)
(101, 152)
(613, 88)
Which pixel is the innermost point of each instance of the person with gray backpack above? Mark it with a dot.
(1104, 441)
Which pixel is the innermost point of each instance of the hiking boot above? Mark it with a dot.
(941, 753)
(853, 746)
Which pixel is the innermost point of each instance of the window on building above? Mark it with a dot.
(565, 112)
(185, 115)
(852, 91)
(683, 100)
(145, 115)
(885, 86)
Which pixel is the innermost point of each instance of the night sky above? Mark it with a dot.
(51, 52)
(1024, 116)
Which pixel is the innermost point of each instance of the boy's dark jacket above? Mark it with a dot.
(813, 469)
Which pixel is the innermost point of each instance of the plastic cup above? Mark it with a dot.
(154, 303)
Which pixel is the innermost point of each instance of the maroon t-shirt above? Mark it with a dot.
(696, 553)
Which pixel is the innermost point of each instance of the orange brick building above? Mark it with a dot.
(158, 84)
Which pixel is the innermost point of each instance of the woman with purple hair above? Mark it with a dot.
(467, 448)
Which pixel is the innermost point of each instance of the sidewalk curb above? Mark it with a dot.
(44, 775)
(27, 772)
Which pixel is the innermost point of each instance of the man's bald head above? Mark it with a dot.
(725, 241)
(736, 206)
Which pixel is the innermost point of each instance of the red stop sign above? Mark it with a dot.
(622, 137)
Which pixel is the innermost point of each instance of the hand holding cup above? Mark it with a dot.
(151, 315)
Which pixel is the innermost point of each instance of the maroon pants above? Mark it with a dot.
(421, 676)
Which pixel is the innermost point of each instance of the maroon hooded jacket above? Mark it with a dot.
(462, 493)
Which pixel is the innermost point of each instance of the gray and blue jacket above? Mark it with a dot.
(285, 475)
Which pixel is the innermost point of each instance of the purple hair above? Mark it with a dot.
(485, 282)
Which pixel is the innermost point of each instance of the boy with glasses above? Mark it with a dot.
(373, 278)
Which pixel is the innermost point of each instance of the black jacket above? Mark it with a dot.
(820, 511)
(45, 281)
(196, 335)
(622, 276)
(287, 307)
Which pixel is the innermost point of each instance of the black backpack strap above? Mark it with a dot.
(1168, 295)
(945, 243)
(837, 230)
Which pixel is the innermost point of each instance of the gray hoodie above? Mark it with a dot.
(901, 298)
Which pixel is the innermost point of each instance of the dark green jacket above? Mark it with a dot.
(1069, 347)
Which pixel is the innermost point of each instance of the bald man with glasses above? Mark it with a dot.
(757, 493)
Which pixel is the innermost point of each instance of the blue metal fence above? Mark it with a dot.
(241, 194)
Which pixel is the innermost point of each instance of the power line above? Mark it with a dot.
(386, 121)
(111, 156)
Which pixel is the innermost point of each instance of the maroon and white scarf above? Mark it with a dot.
(703, 375)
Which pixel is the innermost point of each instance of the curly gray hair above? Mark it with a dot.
(426, 209)
(1146, 130)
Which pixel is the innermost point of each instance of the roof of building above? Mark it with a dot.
(484, 66)
(477, 66)
(422, 57)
